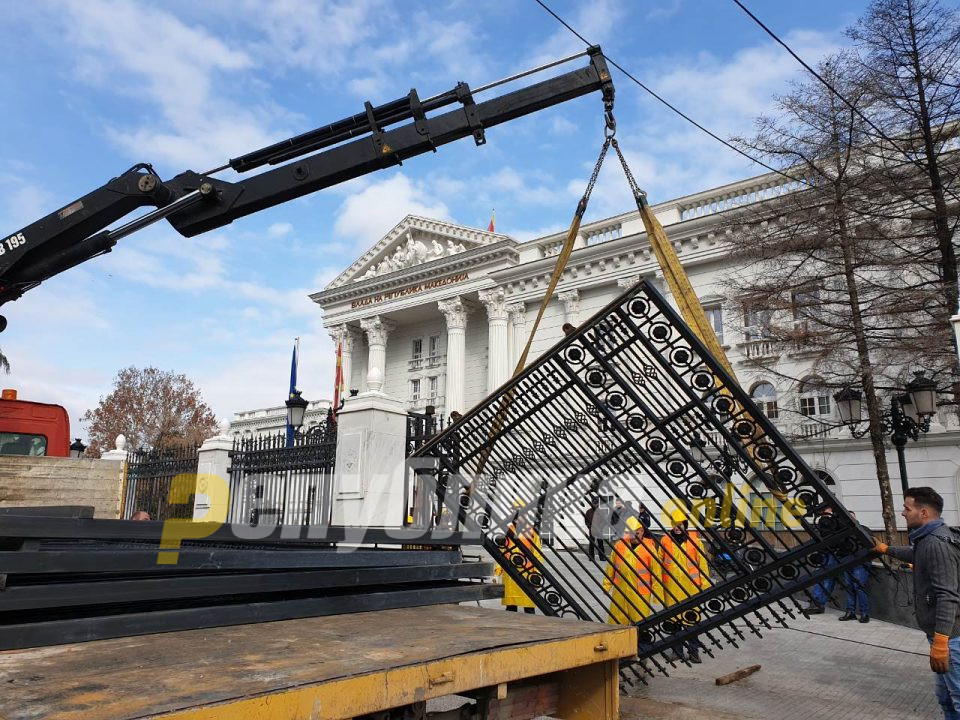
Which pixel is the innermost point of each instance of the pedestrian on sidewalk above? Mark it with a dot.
(632, 577)
(821, 592)
(935, 556)
(594, 542)
(856, 581)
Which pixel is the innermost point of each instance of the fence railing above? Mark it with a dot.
(271, 483)
(149, 476)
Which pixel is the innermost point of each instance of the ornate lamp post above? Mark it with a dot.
(296, 409)
(77, 448)
(909, 415)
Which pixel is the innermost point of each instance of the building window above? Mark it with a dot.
(715, 318)
(417, 348)
(415, 390)
(765, 396)
(434, 345)
(432, 388)
(814, 398)
(756, 323)
(807, 306)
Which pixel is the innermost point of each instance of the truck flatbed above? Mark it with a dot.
(324, 668)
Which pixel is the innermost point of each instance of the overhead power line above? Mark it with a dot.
(882, 135)
(666, 103)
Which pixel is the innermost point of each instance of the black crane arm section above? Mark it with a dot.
(197, 202)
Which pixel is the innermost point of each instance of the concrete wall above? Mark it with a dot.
(61, 481)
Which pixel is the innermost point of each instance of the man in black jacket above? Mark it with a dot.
(936, 589)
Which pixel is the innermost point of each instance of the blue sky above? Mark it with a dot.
(93, 86)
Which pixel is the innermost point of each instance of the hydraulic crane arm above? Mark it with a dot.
(197, 202)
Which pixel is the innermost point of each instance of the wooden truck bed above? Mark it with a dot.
(325, 668)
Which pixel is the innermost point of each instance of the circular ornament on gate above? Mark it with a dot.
(638, 308)
(827, 523)
(691, 617)
(552, 598)
(786, 475)
(616, 400)
(656, 446)
(518, 560)
(723, 405)
(696, 490)
(714, 605)
(702, 381)
(671, 626)
(681, 357)
(595, 377)
(765, 452)
(660, 332)
(753, 556)
(646, 637)
(788, 572)
(816, 559)
(744, 428)
(735, 536)
(574, 354)
(762, 585)
(636, 422)
(464, 501)
(676, 468)
(739, 594)
(483, 520)
(810, 500)
(536, 579)
(500, 540)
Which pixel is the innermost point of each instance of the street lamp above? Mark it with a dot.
(909, 415)
(296, 409)
(77, 448)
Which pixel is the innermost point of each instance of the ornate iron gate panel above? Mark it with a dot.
(272, 484)
(632, 405)
(149, 474)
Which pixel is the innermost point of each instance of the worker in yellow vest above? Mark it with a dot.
(632, 576)
(519, 532)
(686, 572)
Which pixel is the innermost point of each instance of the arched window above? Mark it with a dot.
(814, 399)
(765, 396)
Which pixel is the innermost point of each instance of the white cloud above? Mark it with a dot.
(367, 215)
(562, 126)
(279, 229)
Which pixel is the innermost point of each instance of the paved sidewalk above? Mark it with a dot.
(818, 669)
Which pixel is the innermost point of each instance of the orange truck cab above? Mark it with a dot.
(32, 428)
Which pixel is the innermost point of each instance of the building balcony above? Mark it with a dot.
(760, 349)
(426, 362)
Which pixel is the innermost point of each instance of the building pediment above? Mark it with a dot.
(413, 241)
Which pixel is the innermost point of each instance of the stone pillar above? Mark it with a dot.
(518, 327)
(377, 329)
(571, 306)
(455, 311)
(213, 458)
(347, 336)
(370, 470)
(118, 455)
(498, 352)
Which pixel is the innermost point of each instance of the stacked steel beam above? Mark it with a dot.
(73, 579)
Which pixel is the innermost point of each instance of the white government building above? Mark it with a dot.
(437, 314)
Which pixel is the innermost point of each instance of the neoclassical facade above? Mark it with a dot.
(437, 314)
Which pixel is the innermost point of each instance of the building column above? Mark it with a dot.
(571, 306)
(518, 328)
(377, 329)
(347, 336)
(455, 312)
(498, 352)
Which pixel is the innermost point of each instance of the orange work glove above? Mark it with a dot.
(940, 654)
(880, 547)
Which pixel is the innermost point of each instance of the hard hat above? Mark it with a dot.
(633, 524)
(678, 516)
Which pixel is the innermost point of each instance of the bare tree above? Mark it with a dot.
(825, 276)
(908, 61)
(151, 407)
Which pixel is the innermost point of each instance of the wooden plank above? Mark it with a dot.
(738, 675)
(342, 662)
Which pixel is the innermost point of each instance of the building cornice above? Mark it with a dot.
(466, 260)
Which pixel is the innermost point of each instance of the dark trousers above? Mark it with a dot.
(527, 610)
(595, 548)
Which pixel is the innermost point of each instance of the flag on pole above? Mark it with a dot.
(492, 226)
(294, 362)
(338, 380)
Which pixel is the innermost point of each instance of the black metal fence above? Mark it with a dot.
(149, 475)
(271, 483)
(632, 407)
(425, 508)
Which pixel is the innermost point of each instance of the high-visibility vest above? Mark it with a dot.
(689, 555)
(621, 553)
(529, 543)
